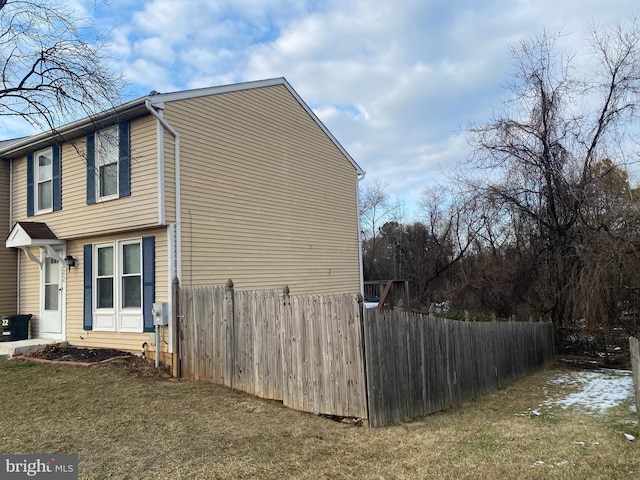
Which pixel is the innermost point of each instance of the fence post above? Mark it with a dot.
(176, 320)
(229, 316)
(363, 354)
(634, 350)
(286, 346)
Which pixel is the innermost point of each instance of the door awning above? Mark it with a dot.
(32, 234)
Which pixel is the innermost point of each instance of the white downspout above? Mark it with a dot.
(161, 187)
(178, 232)
(360, 178)
(176, 136)
(10, 227)
(10, 194)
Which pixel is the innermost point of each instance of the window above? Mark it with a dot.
(131, 284)
(109, 163)
(118, 286)
(44, 184)
(104, 277)
(107, 147)
(44, 180)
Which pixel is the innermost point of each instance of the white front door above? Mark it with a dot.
(51, 298)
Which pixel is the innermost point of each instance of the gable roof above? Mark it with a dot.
(26, 234)
(139, 107)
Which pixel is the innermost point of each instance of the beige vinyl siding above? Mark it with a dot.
(8, 256)
(267, 198)
(30, 290)
(77, 219)
(76, 335)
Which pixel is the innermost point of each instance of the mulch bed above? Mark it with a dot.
(106, 357)
(81, 355)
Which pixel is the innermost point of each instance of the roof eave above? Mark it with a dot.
(75, 129)
(160, 99)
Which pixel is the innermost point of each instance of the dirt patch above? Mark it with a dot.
(101, 357)
(616, 360)
(73, 354)
(140, 367)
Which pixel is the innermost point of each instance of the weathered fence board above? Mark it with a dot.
(418, 365)
(303, 350)
(322, 354)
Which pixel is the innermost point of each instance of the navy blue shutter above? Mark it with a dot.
(87, 312)
(30, 193)
(91, 169)
(57, 179)
(124, 160)
(148, 281)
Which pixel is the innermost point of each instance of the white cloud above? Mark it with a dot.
(396, 81)
(149, 76)
(155, 48)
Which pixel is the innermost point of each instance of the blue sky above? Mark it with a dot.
(396, 81)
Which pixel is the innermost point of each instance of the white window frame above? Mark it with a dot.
(37, 181)
(117, 318)
(101, 147)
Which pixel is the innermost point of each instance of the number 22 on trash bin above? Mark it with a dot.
(5, 322)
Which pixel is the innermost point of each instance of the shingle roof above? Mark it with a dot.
(38, 230)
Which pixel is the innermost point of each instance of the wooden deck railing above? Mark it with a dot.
(388, 294)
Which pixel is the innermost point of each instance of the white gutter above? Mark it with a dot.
(360, 178)
(176, 136)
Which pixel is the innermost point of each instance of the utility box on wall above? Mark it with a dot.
(160, 313)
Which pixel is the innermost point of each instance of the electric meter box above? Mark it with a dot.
(160, 313)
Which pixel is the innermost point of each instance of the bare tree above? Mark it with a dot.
(376, 209)
(540, 154)
(53, 69)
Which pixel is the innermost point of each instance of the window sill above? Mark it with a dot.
(107, 199)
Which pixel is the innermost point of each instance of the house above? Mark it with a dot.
(238, 182)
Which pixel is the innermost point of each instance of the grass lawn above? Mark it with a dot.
(124, 426)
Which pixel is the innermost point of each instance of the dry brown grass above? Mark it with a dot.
(124, 426)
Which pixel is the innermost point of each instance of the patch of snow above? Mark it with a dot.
(598, 390)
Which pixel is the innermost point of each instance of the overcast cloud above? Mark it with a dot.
(396, 81)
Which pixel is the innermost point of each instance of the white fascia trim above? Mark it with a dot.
(70, 130)
(357, 167)
(159, 100)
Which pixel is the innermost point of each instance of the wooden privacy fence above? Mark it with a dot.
(418, 365)
(303, 350)
(324, 354)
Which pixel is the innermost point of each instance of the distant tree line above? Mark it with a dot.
(544, 222)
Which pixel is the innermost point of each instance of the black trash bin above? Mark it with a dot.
(14, 327)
